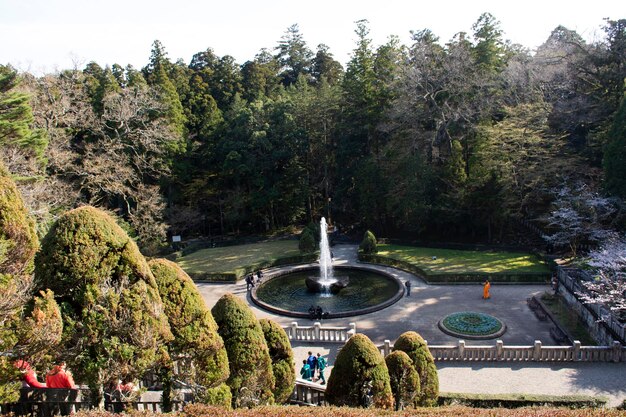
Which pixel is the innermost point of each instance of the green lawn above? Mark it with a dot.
(231, 258)
(450, 261)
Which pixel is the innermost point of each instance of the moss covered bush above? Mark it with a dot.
(110, 303)
(196, 339)
(251, 378)
(29, 327)
(307, 241)
(403, 378)
(283, 365)
(359, 370)
(415, 347)
(368, 245)
(18, 237)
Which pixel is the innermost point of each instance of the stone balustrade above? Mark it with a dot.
(533, 353)
(317, 333)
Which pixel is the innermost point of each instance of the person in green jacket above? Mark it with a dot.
(321, 365)
(305, 372)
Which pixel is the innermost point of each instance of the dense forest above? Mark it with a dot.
(463, 140)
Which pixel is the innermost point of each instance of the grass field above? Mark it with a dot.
(450, 261)
(230, 258)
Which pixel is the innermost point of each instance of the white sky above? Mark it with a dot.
(48, 35)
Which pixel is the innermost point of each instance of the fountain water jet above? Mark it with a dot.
(326, 283)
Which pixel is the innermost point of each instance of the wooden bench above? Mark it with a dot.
(533, 304)
(537, 308)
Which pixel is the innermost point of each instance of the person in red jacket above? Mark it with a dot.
(58, 377)
(29, 377)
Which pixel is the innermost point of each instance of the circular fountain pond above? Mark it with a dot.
(368, 291)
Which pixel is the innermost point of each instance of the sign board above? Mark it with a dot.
(176, 238)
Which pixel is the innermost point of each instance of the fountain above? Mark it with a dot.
(294, 290)
(325, 283)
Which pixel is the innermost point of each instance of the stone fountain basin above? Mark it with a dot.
(314, 284)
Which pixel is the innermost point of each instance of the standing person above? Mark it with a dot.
(407, 284)
(58, 377)
(29, 377)
(486, 287)
(312, 362)
(305, 371)
(259, 275)
(321, 365)
(318, 312)
(249, 282)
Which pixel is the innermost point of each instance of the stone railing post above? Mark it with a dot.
(387, 348)
(576, 354)
(316, 330)
(617, 351)
(294, 330)
(352, 331)
(461, 349)
(499, 349)
(537, 350)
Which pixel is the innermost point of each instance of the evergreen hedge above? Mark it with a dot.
(404, 379)
(283, 365)
(251, 378)
(358, 364)
(195, 332)
(307, 241)
(110, 303)
(415, 347)
(368, 245)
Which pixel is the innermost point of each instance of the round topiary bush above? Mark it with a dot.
(108, 297)
(360, 377)
(415, 347)
(368, 245)
(195, 332)
(251, 378)
(403, 378)
(281, 354)
(307, 241)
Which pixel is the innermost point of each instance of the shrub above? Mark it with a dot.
(195, 332)
(281, 354)
(108, 297)
(28, 327)
(403, 378)
(359, 364)
(415, 347)
(307, 241)
(218, 396)
(368, 245)
(251, 379)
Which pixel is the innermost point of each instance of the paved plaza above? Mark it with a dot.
(428, 304)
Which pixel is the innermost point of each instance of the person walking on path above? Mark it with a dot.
(305, 371)
(321, 365)
(407, 284)
(249, 282)
(312, 362)
(58, 377)
(486, 287)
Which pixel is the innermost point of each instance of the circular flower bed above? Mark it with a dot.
(472, 325)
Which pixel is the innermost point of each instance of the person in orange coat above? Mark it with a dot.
(29, 377)
(486, 287)
(58, 377)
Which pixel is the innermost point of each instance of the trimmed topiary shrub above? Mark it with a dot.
(251, 379)
(108, 297)
(307, 241)
(403, 378)
(29, 328)
(368, 245)
(196, 339)
(18, 238)
(413, 345)
(360, 377)
(283, 365)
